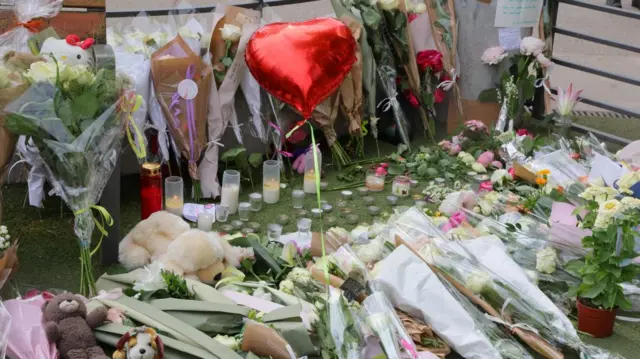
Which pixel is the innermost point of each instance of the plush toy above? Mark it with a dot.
(149, 239)
(140, 343)
(68, 325)
(192, 253)
(70, 51)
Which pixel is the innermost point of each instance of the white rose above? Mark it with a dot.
(229, 342)
(493, 55)
(531, 45)
(479, 281)
(287, 286)
(231, 33)
(151, 279)
(546, 260)
(478, 168)
(486, 207)
(43, 72)
(500, 177)
(466, 158)
(419, 8)
(78, 73)
(389, 5)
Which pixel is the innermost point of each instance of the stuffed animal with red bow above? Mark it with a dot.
(70, 51)
(140, 343)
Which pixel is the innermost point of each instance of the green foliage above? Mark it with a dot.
(176, 286)
(608, 261)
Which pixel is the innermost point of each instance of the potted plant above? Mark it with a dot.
(609, 259)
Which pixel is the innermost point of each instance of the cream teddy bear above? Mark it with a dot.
(193, 253)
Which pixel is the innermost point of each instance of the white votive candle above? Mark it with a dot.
(309, 182)
(271, 192)
(174, 205)
(205, 221)
(229, 197)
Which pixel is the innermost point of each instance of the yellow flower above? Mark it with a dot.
(543, 172)
(541, 181)
(438, 214)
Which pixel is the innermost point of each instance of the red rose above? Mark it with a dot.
(429, 59)
(412, 16)
(413, 100)
(523, 132)
(398, 80)
(439, 95)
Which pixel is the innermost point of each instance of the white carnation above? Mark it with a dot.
(466, 158)
(231, 33)
(599, 194)
(370, 252)
(478, 168)
(628, 180)
(299, 275)
(479, 281)
(546, 260)
(531, 45)
(287, 286)
(500, 177)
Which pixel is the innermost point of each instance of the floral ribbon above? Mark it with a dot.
(31, 25)
(448, 84)
(278, 150)
(389, 102)
(410, 348)
(191, 120)
(129, 104)
(542, 82)
(105, 217)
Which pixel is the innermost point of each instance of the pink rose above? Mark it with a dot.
(455, 149)
(384, 165)
(523, 132)
(454, 221)
(445, 145)
(493, 55)
(496, 164)
(486, 158)
(512, 172)
(544, 61)
(486, 186)
(115, 316)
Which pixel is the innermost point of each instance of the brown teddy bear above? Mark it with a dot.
(68, 325)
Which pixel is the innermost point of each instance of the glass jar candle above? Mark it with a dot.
(256, 201)
(244, 209)
(304, 227)
(271, 181)
(401, 186)
(222, 213)
(310, 174)
(274, 231)
(230, 190)
(174, 195)
(205, 221)
(150, 189)
(375, 180)
(392, 200)
(297, 198)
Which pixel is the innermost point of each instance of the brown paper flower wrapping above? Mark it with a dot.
(264, 341)
(417, 330)
(169, 66)
(351, 96)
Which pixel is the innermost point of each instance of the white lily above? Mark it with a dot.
(567, 100)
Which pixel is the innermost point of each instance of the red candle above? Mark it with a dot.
(150, 189)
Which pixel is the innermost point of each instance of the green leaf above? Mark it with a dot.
(592, 291)
(402, 148)
(432, 172)
(231, 154)
(411, 164)
(527, 145)
(395, 170)
(423, 170)
(574, 266)
(489, 95)
(255, 160)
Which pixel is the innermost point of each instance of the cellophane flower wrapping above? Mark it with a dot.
(73, 117)
(5, 328)
(338, 322)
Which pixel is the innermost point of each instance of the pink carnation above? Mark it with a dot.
(493, 55)
(496, 164)
(476, 126)
(445, 145)
(455, 149)
(486, 186)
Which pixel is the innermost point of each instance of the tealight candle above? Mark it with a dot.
(331, 220)
(346, 195)
(368, 200)
(174, 204)
(226, 228)
(254, 225)
(373, 210)
(393, 200)
(247, 230)
(341, 204)
(363, 191)
(352, 219)
(346, 211)
(283, 219)
(236, 224)
(439, 180)
(205, 221)
(316, 212)
(327, 208)
(301, 213)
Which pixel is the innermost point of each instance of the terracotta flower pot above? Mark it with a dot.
(597, 322)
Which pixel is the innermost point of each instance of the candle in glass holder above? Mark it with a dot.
(297, 199)
(271, 181)
(230, 190)
(150, 189)
(205, 221)
(174, 195)
(256, 201)
(375, 180)
(310, 171)
(309, 181)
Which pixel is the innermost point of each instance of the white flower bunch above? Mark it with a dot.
(437, 192)
(287, 286)
(494, 55)
(546, 260)
(531, 45)
(466, 158)
(478, 281)
(4, 238)
(389, 5)
(599, 194)
(500, 177)
(151, 279)
(299, 275)
(627, 181)
(372, 251)
(48, 72)
(231, 33)
(232, 343)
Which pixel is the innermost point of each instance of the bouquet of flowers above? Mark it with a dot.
(76, 119)
(182, 82)
(8, 255)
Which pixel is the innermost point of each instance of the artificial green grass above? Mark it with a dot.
(49, 252)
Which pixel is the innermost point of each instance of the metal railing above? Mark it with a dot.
(598, 72)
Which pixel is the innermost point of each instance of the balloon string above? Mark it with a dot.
(389, 102)
(316, 168)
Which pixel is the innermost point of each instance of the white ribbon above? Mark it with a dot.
(448, 84)
(389, 102)
(214, 142)
(292, 354)
(523, 326)
(14, 165)
(542, 82)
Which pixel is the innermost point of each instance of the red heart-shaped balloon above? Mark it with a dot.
(301, 63)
